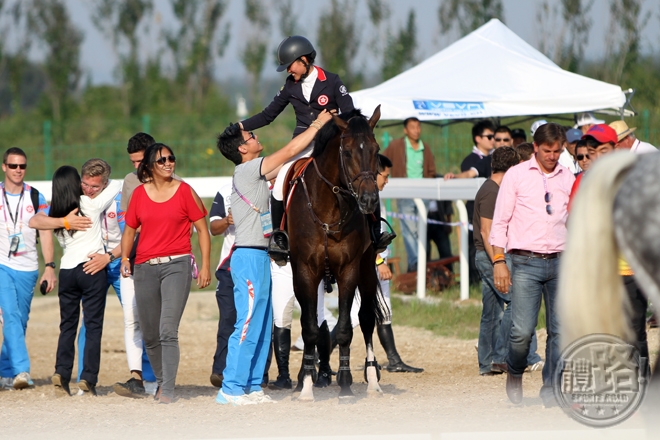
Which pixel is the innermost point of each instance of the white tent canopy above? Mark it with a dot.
(489, 73)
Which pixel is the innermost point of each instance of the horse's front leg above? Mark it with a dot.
(307, 375)
(369, 305)
(347, 285)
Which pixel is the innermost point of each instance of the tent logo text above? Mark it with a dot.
(449, 108)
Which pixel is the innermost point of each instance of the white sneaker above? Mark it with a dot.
(7, 383)
(225, 399)
(260, 397)
(150, 387)
(536, 367)
(22, 380)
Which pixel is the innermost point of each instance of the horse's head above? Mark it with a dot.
(358, 158)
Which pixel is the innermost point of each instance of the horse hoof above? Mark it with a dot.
(347, 400)
(374, 391)
(305, 398)
(324, 380)
(346, 392)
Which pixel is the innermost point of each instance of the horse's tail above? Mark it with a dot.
(591, 293)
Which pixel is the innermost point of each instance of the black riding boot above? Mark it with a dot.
(278, 246)
(282, 347)
(396, 365)
(324, 347)
(380, 239)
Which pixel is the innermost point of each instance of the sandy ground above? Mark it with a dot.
(448, 401)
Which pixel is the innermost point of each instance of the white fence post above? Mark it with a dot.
(464, 252)
(421, 248)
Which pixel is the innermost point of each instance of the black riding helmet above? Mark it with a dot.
(292, 48)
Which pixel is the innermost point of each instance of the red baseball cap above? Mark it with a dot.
(602, 133)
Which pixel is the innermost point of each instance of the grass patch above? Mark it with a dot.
(444, 318)
(447, 316)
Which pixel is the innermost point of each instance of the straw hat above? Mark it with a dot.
(622, 129)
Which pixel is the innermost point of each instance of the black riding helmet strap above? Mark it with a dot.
(308, 67)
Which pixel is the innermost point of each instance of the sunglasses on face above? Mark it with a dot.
(245, 141)
(502, 139)
(582, 156)
(163, 159)
(489, 136)
(13, 166)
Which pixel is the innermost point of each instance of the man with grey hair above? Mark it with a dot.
(628, 141)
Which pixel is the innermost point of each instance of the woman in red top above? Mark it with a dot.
(164, 209)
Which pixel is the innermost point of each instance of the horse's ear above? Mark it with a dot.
(375, 117)
(343, 125)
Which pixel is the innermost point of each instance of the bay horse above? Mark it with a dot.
(329, 234)
(616, 211)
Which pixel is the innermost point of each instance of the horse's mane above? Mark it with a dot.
(330, 130)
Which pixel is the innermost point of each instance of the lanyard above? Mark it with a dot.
(244, 198)
(18, 208)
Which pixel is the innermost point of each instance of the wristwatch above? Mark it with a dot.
(112, 257)
(51, 264)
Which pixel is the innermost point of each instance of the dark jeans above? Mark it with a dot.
(76, 286)
(472, 266)
(224, 295)
(495, 325)
(162, 291)
(533, 279)
(638, 304)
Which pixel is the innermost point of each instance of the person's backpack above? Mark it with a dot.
(34, 196)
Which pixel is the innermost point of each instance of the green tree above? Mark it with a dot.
(194, 46)
(400, 50)
(338, 41)
(254, 52)
(564, 31)
(51, 25)
(119, 21)
(623, 38)
(288, 22)
(467, 15)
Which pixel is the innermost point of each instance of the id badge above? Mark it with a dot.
(17, 245)
(266, 224)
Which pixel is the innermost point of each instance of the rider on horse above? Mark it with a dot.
(310, 90)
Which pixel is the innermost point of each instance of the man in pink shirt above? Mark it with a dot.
(530, 222)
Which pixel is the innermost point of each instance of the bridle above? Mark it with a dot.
(363, 174)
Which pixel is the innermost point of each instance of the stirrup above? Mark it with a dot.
(383, 241)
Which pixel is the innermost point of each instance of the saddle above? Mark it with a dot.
(289, 186)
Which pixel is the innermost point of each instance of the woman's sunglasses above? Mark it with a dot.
(163, 159)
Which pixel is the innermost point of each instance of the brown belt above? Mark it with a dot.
(534, 254)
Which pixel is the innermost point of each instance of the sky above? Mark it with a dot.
(99, 62)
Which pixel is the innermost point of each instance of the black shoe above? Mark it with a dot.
(383, 241)
(396, 365)
(216, 380)
(278, 247)
(402, 367)
(87, 388)
(282, 383)
(61, 384)
(132, 388)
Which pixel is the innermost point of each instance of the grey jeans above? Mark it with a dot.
(161, 293)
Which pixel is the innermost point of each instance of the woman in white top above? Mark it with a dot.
(74, 284)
